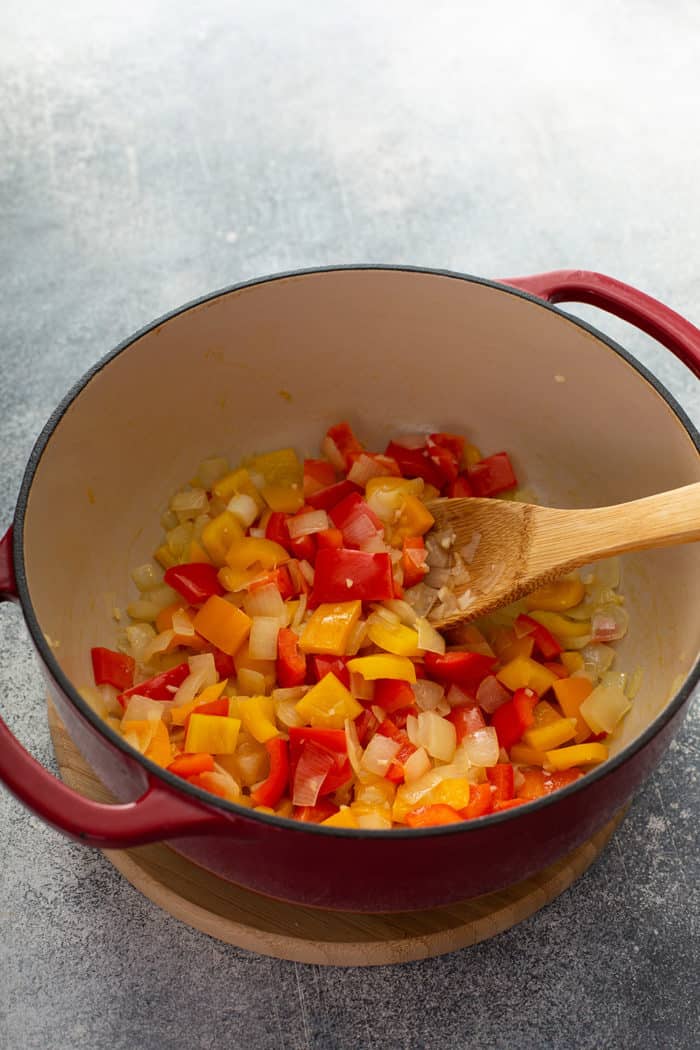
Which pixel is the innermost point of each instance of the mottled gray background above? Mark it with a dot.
(150, 153)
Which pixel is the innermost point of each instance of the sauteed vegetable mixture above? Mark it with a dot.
(282, 657)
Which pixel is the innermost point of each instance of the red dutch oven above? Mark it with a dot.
(272, 363)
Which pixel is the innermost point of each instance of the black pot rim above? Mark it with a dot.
(199, 795)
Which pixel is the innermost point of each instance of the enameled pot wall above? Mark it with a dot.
(274, 363)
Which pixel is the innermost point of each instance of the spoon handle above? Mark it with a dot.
(566, 539)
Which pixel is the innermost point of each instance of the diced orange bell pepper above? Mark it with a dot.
(344, 818)
(414, 520)
(197, 554)
(383, 665)
(222, 624)
(431, 816)
(328, 704)
(577, 755)
(570, 694)
(160, 749)
(328, 630)
(248, 558)
(190, 765)
(480, 802)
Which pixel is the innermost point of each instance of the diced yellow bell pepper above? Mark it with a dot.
(471, 455)
(287, 498)
(430, 493)
(570, 694)
(546, 737)
(393, 637)
(212, 734)
(285, 808)
(197, 553)
(138, 732)
(572, 661)
(160, 749)
(557, 596)
(328, 630)
(222, 624)
(328, 704)
(560, 626)
(383, 666)
(219, 536)
(523, 672)
(249, 557)
(375, 791)
(257, 713)
(178, 715)
(545, 714)
(281, 467)
(386, 495)
(453, 792)
(518, 647)
(235, 482)
(165, 557)
(414, 520)
(527, 756)
(604, 708)
(264, 809)
(577, 755)
(344, 818)
(371, 816)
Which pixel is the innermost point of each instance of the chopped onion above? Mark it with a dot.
(522, 630)
(352, 742)
(92, 696)
(422, 598)
(262, 641)
(312, 769)
(437, 736)
(307, 571)
(634, 684)
(294, 692)
(145, 577)
(410, 441)
(604, 707)
(383, 613)
(286, 706)
(210, 470)
(491, 694)
(481, 747)
(189, 504)
(597, 658)
(307, 524)
(179, 538)
(361, 688)
(614, 680)
(265, 601)
(405, 613)
(607, 573)
(443, 708)
(358, 530)
(357, 637)
(374, 544)
(378, 712)
(438, 578)
(610, 623)
(416, 765)
(364, 468)
(204, 662)
(469, 550)
(157, 645)
(108, 694)
(252, 683)
(301, 612)
(258, 534)
(413, 732)
(333, 454)
(428, 638)
(374, 819)
(193, 684)
(244, 508)
(142, 609)
(379, 754)
(139, 636)
(428, 694)
(143, 709)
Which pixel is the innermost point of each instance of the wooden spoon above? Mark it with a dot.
(520, 546)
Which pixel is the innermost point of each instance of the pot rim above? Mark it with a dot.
(198, 794)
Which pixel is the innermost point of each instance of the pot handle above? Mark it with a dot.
(158, 814)
(583, 286)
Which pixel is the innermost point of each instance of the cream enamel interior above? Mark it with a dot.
(274, 364)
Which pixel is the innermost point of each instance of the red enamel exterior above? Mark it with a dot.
(285, 859)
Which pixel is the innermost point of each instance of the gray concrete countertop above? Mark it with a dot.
(152, 152)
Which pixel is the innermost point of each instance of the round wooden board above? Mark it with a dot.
(249, 920)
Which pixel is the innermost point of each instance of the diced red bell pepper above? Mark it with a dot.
(160, 687)
(444, 456)
(331, 496)
(466, 720)
(337, 665)
(343, 575)
(276, 529)
(400, 718)
(463, 669)
(392, 695)
(315, 814)
(415, 463)
(112, 668)
(480, 801)
(365, 726)
(331, 740)
(196, 581)
(492, 475)
(273, 787)
(396, 772)
(318, 474)
(278, 578)
(414, 560)
(502, 778)
(291, 663)
(514, 717)
(191, 765)
(332, 538)
(225, 667)
(536, 783)
(344, 440)
(556, 668)
(508, 803)
(545, 642)
(454, 443)
(459, 488)
(303, 548)
(431, 816)
(355, 519)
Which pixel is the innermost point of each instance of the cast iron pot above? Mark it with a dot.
(272, 363)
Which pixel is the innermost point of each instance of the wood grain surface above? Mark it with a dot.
(249, 920)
